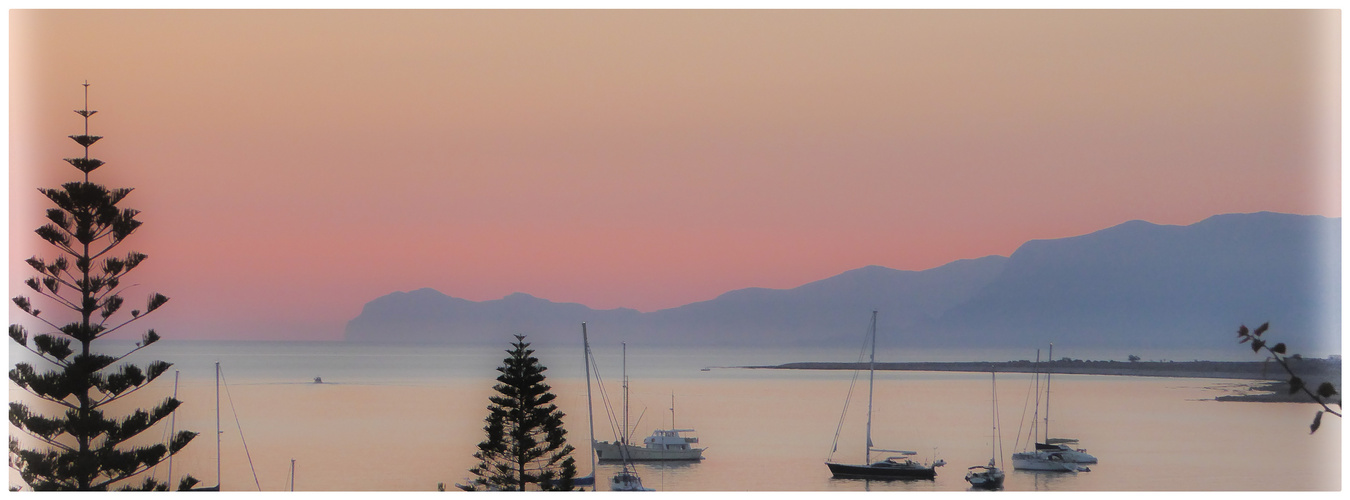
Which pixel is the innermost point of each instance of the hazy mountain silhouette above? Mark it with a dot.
(1145, 285)
(1136, 285)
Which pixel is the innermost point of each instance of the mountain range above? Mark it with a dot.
(1135, 285)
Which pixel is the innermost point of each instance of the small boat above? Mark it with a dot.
(627, 480)
(901, 466)
(989, 477)
(318, 380)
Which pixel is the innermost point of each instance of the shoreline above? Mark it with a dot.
(1249, 370)
(1269, 380)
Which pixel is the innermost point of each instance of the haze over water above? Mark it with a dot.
(407, 418)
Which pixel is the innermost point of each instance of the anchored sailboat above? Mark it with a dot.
(900, 466)
(1053, 454)
(989, 476)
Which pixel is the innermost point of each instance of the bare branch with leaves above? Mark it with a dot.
(1278, 353)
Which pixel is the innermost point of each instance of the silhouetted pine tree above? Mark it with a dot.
(526, 442)
(80, 447)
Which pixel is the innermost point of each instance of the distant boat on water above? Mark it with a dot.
(989, 477)
(899, 466)
(1053, 454)
(663, 445)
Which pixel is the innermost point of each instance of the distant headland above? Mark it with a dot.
(1273, 389)
(1310, 368)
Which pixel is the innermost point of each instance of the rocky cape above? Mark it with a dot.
(1134, 285)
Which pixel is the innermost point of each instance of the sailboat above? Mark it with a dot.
(899, 466)
(627, 479)
(1053, 454)
(1060, 445)
(989, 476)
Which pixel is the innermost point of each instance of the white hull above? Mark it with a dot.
(1043, 462)
(609, 451)
(1069, 454)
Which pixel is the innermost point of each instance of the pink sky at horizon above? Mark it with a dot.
(293, 165)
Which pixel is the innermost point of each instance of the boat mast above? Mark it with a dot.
(1036, 413)
(218, 426)
(1051, 359)
(624, 438)
(590, 415)
(672, 410)
(871, 376)
(993, 415)
(173, 420)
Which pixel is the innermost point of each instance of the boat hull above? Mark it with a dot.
(615, 452)
(1069, 454)
(848, 471)
(986, 480)
(1038, 461)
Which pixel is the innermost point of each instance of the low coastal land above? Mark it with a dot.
(1273, 388)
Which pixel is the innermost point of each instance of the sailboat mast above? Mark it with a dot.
(993, 415)
(218, 426)
(672, 410)
(871, 377)
(173, 420)
(1051, 359)
(1036, 413)
(590, 415)
(624, 438)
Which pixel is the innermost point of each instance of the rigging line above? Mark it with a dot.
(1025, 402)
(998, 427)
(168, 434)
(849, 397)
(604, 399)
(241, 430)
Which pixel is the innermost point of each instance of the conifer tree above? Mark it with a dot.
(79, 446)
(526, 442)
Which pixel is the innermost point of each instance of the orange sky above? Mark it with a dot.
(293, 165)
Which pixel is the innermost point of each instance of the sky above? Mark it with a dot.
(291, 166)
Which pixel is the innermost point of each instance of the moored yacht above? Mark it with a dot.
(901, 466)
(663, 444)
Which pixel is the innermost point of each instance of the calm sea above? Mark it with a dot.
(401, 418)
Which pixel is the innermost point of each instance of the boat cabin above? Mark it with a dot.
(669, 439)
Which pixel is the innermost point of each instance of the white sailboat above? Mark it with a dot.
(1051, 455)
(989, 476)
(1060, 445)
(627, 479)
(899, 466)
